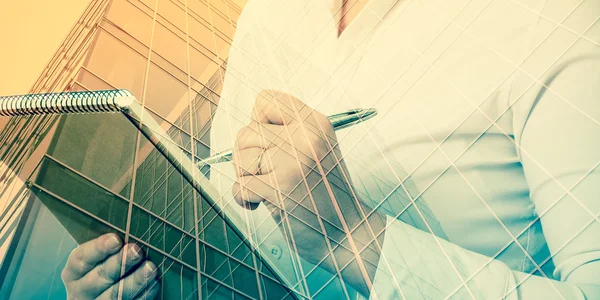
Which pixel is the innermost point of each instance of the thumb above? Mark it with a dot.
(279, 108)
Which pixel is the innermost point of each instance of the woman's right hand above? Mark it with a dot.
(95, 270)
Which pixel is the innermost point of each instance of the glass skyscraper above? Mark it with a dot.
(476, 179)
(68, 179)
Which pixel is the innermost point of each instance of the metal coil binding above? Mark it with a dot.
(65, 102)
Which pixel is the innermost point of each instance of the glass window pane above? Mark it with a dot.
(199, 9)
(332, 289)
(170, 46)
(100, 146)
(188, 209)
(201, 32)
(202, 62)
(163, 236)
(161, 189)
(150, 4)
(91, 82)
(80, 226)
(38, 273)
(116, 63)
(244, 279)
(202, 118)
(173, 13)
(165, 95)
(213, 290)
(176, 280)
(215, 232)
(221, 20)
(273, 290)
(131, 19)
(88, 196)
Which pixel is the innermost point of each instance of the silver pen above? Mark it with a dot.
(338, 121)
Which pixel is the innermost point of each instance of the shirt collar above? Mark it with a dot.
(378, 7)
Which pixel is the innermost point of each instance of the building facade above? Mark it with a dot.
(71, 178)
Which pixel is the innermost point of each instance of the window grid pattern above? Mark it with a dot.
(171, 54)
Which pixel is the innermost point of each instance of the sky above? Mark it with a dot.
(30, 33)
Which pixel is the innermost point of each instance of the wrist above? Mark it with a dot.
(368, 237)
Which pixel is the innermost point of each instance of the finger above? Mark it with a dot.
(111, 270)
(85, 257)
(275, 107)
(249, 191)
(257, 135)
(279, 108)
(246, 161)
(151, 291)
(252, 143)
(135, 284)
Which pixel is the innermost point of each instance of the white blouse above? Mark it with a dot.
(488, 134)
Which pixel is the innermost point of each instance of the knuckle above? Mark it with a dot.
(240, 134)
(240, 200)
(64, 275)
(237, 193)
(321, 118)
(140, 279)
(261, 102)
(114, 293)
(81, 265)
(76, 263)
(235, 152)
(265, 95)
(103, 275)
(73, 290)
(144, 277)
(73, 255)
(238, 144)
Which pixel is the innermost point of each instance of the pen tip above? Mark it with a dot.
(369, 111)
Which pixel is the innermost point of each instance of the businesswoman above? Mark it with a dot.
(479, 177)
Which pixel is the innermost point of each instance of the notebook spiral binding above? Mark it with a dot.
(65, 102)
